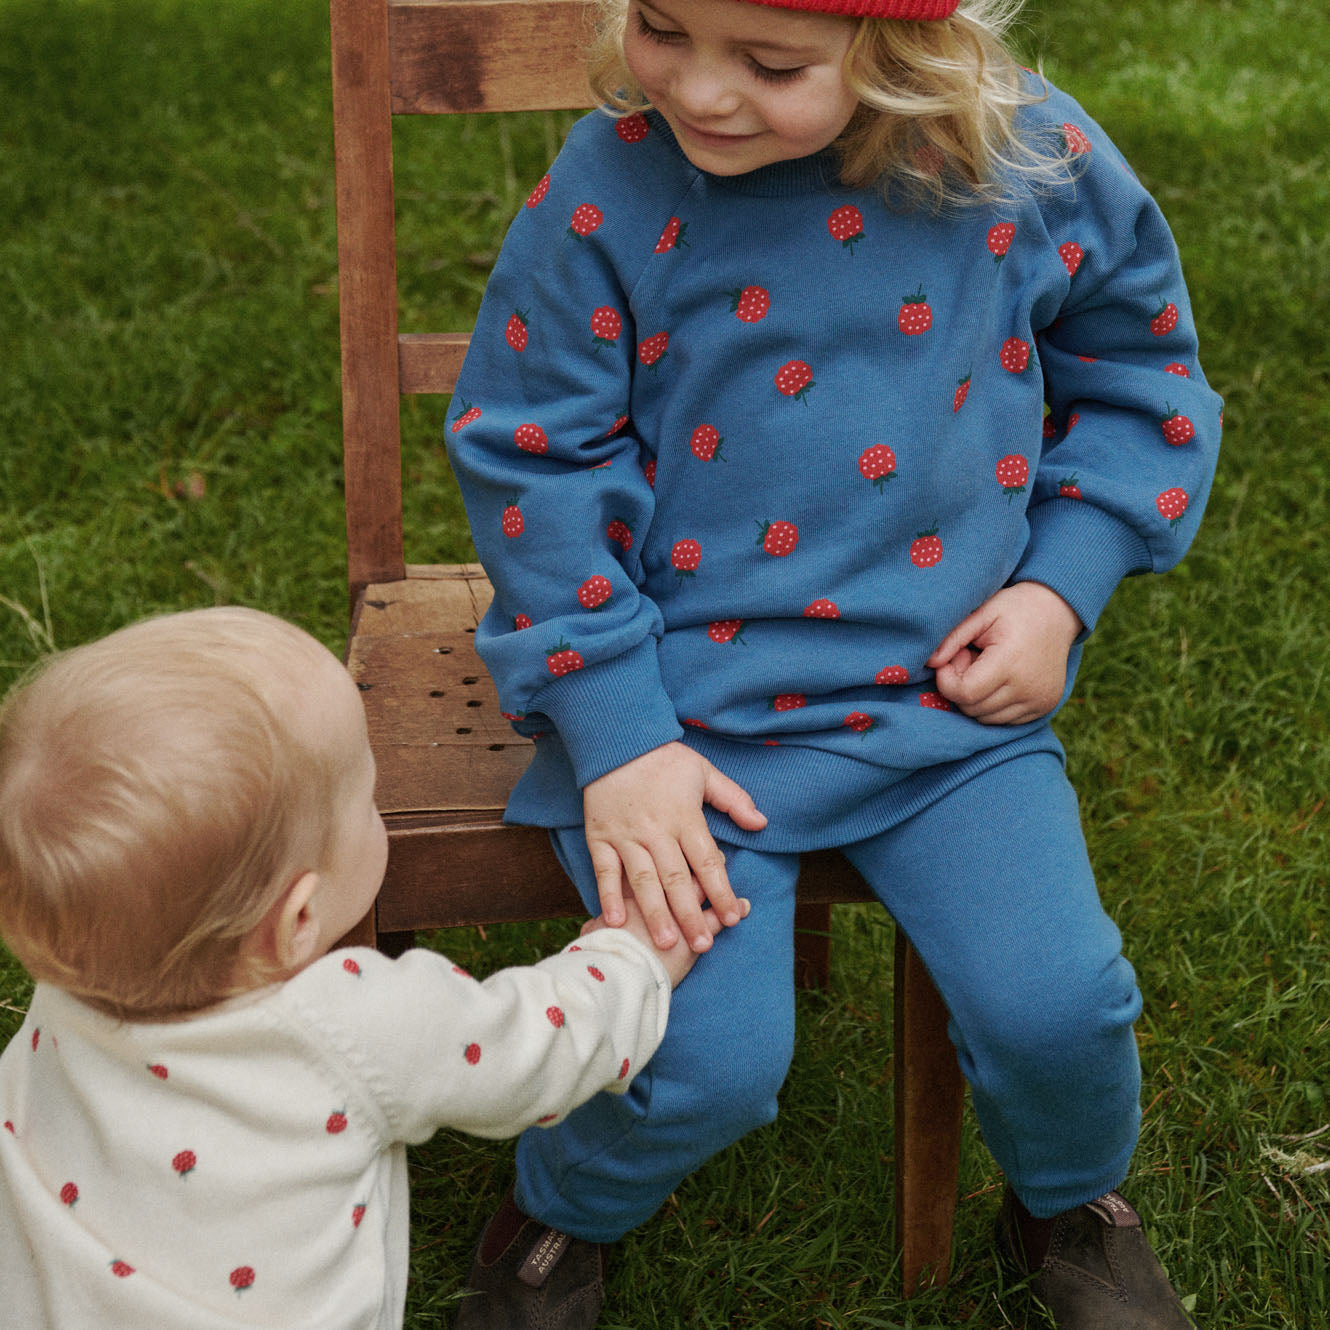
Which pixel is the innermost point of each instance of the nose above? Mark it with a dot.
(703, 90)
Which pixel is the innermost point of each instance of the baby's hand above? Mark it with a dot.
(1006, 664)
(645, 829)
(679, 958)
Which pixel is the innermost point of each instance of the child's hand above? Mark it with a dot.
(679, 958)
(1006, 663)
(645, 829)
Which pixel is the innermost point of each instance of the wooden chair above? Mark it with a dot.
(447, 760)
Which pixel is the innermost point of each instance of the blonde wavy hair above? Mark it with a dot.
(159, 788)
(938, 103)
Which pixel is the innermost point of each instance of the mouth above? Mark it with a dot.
(711, 139)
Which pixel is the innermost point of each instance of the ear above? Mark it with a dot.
(295, 924)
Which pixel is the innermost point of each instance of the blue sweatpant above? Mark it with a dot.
(993, 887)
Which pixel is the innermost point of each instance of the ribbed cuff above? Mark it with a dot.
(1081, 552)
(611, 712)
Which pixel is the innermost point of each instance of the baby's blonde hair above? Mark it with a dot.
(938, 101)
(158, 790)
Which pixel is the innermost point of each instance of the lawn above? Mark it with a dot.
(169, 438)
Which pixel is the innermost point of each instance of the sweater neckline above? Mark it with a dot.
(817, 173)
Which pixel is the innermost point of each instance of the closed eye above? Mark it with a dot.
(769, 75)
(665, 36)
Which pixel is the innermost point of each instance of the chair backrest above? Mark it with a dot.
(414, 57)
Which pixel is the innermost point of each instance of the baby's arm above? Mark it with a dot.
(644, 827)
(1006, 664)
(678, 958)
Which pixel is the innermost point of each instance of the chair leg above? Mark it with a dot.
(812, 946)
(928, 1091)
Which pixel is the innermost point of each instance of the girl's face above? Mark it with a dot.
(741, 85)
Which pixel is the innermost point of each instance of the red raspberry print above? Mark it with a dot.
(1180, 370)
(619, 422)
(684, 557)
(1071, 255)
(547, 1118)
(724, 631)
(184, 1163)
(352, 967)
(537, 194)
(618, 531)
(672, 236)
(794, 378)
(357, 1214)
(777, 538)
(890, 675)
(472, 1054)
(69, 1193)
(926, 549)
(787, 702)
(1075, 140)
(515, 334)
(457, 969)
(649, 471)
(521, 621)
(1172, 504)
(1073, 420)
(858, 722)
(915, 315)
(511, 523)
(467, 415)
(121, 1269)
(750, 304)
(935, 701)
(1165, 319)
(1015, 355)
(1012, 473)
(696, 724)
(561, 659)
(242, 1277)
(821, 609)
(336, 1123)
(1177, 428)
(606, 325)
(705, 443)
(586, 218)
(846, 224)
(653, 350)
(623, 1070)
(878, 464)
(9, 1127)
(594, 592)
(596, 974)
(36, 1036)
(555, 1017)
(632, 128)
(1069, 489)
(1049, 429)
(158, 1070)
(999, 240)
(961, 393)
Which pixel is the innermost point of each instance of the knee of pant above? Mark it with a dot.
(1059, 1018)
(744, 1080)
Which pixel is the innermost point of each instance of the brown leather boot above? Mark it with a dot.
(1093, 1267)
(528, 1276)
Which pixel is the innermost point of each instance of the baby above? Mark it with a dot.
(206, 1111)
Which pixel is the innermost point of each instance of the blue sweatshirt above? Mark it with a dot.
(738, 452)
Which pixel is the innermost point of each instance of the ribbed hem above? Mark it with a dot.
(905, 9)
(1082, 553)
(611, 712)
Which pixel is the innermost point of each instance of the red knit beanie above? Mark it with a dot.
(913, 9)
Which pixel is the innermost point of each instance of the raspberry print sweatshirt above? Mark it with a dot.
(738, 452)
(247, 1166)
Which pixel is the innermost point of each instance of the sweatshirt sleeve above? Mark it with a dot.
(1134, 428)
(553, 475)
(433, 1047)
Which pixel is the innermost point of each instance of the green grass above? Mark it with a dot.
(168, 290)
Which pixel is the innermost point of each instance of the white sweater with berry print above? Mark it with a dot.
(738, 452)
(247, 1166)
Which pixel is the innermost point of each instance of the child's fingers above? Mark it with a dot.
(708, 865)
(609, 882)
(964, 633)
(732, 799)
(647, 874)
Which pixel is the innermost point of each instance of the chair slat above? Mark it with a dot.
(487, 55)
(430, 362)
